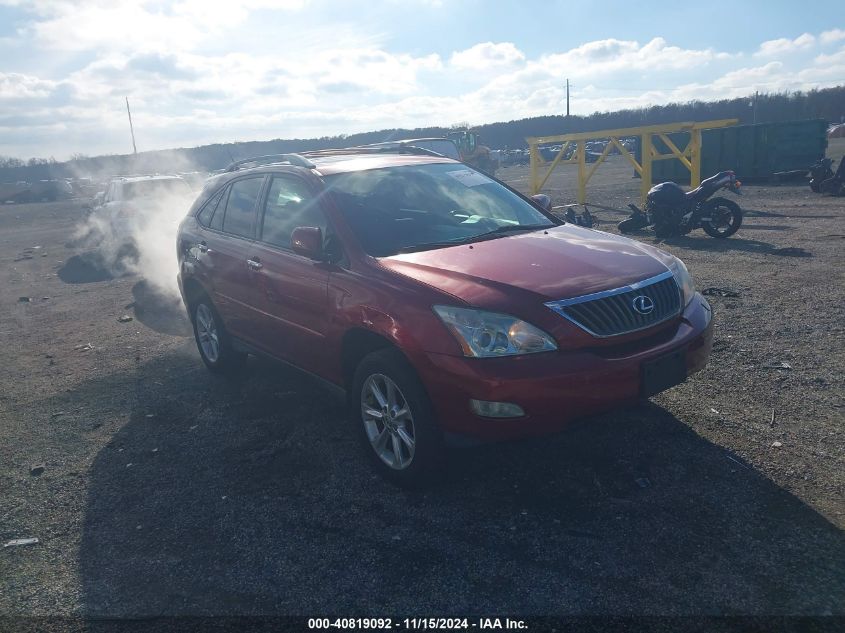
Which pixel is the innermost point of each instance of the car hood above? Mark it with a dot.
(557, 263)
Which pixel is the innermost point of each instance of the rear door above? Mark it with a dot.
(224, 252)
(292, 288)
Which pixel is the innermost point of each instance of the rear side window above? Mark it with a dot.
(217, 219)
(207, 211)
(240, 208)
(289, 205)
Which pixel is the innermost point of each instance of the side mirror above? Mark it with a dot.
(307, 241)
(543, 200)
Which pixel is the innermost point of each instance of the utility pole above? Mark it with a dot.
(754, 113)
(567, 98)
(131, 129)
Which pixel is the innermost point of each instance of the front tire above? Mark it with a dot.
(213, 342)
(395, 420)
(726, 218)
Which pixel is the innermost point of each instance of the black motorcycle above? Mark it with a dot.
(820, 171)
(673, 211)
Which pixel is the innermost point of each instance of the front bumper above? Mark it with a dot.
(555, 388)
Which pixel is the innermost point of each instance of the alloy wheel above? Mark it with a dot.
(723, 219)
(207, 333)
(388, 421)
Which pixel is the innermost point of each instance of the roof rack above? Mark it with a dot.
(365, 149)
(272, 159)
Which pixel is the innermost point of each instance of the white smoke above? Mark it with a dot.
(140, 240)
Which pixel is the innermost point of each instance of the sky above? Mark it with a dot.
(202, 71)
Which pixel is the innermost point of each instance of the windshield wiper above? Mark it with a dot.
(474, 238)
(507, 228)
(430, 245)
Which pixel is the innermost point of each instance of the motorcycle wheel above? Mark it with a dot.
(726, 218)
(814, 186)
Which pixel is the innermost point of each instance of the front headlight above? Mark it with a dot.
(683, 279)
(485, 334)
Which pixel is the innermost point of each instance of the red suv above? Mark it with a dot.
(444, 303)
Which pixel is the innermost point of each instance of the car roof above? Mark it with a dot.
(406, 141)
(330, 162)
(345, 163)
(146, 178)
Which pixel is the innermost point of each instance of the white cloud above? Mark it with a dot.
(612, 55)
(830, 37)
(785, 45)
(487, 55)
(20, 86)
(72, 25)
(185, 91)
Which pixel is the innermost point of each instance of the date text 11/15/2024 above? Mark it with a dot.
(380, 624)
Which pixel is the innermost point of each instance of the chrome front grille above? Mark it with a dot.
(615, 312)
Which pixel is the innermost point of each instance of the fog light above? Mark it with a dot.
(488, 409)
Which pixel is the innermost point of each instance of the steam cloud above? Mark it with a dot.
(142, 241)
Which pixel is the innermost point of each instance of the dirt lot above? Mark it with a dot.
(167, 491)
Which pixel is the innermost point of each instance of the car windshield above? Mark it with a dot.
(419, 207)
(158, 187)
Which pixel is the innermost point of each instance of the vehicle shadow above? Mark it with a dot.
(767, 227)
(752, 213)
(250, 497)
(736, 244)
(158, 311)
(707, 243)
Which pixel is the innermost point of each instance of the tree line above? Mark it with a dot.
(827, 104)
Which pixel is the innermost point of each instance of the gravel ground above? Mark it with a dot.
(168, 491)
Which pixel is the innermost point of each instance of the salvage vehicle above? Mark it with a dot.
(38, 191)
(11, 192)
(444, 304)
(673, 211)
(129, 201)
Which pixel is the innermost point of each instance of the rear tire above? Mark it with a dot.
(395, 420)
(213, 341)
(730, 218)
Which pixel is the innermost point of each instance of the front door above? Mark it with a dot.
(225, 253)
(292, 288)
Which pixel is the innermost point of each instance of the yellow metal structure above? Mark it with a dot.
(690, 156)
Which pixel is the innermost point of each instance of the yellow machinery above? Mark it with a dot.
(690, 157)
(473, 153)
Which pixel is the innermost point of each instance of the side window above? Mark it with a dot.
(205, 214)
(217, 219)
(289, 205)
(240, 208)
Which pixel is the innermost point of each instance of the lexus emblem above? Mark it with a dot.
(643, 304)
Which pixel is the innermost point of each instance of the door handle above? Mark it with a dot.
(202, 247)
(255, 264)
